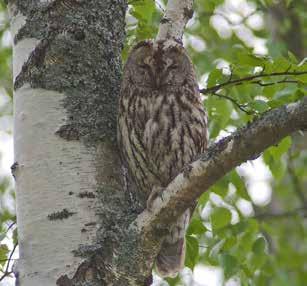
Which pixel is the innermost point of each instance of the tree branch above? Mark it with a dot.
(282, 215)
(240, 106)
(244, 144)
(251, 80)
(178, 13)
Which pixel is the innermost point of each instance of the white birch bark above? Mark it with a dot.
(177, 14)
(50, 173)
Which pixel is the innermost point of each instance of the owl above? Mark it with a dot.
(162, 126)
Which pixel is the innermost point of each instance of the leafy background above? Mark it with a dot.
(250, 228)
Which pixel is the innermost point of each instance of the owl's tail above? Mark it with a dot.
(170, 259)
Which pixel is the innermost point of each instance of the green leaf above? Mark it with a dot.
(143, 10)
(259, 105)
(250, 60)
(257, 261)
(303, 77)
(219, 111)
(173, 281)
(229, 243)
(270, 90)
(281, 64)
(259, 245)
(215, 77)
(239, 227)
(196, 227)
(237, 181)
(216, 249)
(282, 147)
(277, 167)
(192, 251)
(291, 56)
(248, 234)
(220, 217)
(203, 198)
(4, 250)
(230, 265)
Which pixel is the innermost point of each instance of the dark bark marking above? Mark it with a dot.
(89, 195)
(90, 272)
(60, 215)
(188, 13)
(68, 132)
(164, 20)
(14, 168)
(90, 224)
(64, 281)
(87, 250)
(35, 60)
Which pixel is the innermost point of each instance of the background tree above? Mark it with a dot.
(244, 72)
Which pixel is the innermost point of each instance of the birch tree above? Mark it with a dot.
(75, 223)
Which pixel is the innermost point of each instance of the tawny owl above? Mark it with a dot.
(162, 126)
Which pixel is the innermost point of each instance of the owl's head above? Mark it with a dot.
(158, 65)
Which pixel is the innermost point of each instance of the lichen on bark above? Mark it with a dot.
(79, 54)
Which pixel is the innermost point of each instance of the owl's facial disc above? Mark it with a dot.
(160, 67)
(171, 72)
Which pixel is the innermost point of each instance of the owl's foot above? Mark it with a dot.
(156, 192)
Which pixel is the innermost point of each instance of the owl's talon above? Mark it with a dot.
(157, 192)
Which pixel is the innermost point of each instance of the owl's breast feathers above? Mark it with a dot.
(161, 131)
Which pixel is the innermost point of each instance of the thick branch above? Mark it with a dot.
(244, 144)
(178, 13)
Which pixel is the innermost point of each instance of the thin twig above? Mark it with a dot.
(250, 79)
(7, 272)
(10, 226)
(240, 106)
(287, 214)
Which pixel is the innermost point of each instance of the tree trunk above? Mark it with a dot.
(70, 204)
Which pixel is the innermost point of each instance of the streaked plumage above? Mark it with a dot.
(162, 126)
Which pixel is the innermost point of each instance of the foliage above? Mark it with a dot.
(242, 79)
